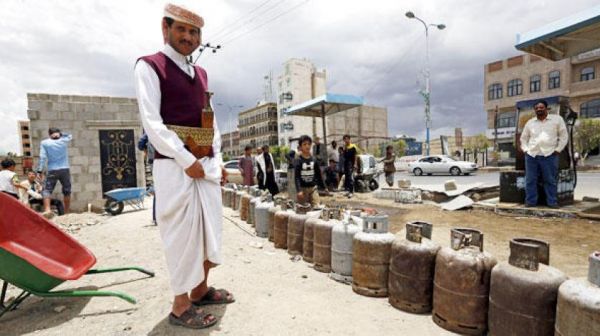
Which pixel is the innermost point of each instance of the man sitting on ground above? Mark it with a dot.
(32, 195)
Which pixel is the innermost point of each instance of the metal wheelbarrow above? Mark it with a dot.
(117, 198)
(36, 256)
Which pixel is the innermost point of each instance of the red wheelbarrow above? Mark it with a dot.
(36, 256)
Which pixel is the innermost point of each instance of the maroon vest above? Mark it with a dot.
(182, 98)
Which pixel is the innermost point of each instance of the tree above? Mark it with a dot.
(587, 136)
(400, 147)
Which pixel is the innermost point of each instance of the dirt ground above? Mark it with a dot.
(275, 295)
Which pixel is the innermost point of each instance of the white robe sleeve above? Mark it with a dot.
(147, 86)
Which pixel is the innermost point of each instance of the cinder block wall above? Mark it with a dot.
(83, 117)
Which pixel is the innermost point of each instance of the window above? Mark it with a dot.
(587, 74)
(514, 88)
(495, 91)
(554, 79)
(506, 120)
(590, 109)
(535, 83)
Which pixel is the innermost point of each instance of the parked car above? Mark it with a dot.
(441, 164)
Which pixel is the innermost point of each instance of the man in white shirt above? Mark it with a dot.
(175, 110)
(542, 140)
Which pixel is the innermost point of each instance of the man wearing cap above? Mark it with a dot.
(176, 114)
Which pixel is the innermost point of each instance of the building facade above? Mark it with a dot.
(300, 81)
(510, 83)
(367, 125)
(258, 126)
(230, 144)
(102, 154)
(24, 137)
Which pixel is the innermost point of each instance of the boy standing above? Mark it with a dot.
(388, 165)
(307, 174)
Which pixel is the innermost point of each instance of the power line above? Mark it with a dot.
(226, 27)
(251, 19)
(266, 22)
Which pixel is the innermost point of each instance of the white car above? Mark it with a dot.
(441, 164)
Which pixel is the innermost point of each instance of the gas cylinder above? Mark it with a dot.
(238, 199)
(281, 225)
(342, 235)
(261, 216)
(245, 206)
(371, 250)
(524, 290)
(322, 239)
(295, 229)
(277, 201)
(462, 283)
(309, 235)
(578, 309)
(227, 192)
(232, 193)
(254, 201)
(412, 266)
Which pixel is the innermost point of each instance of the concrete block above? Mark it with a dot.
(33, 114)
(120, 100)
(105, 100)
(92, 186)
(82, 99)
(76, 187)
(61, 106)
(75, 169)
(43, 96)
(94, 169)
(111, 108)
(96, 99)
(64, 98)
(80, 160)
(450, 185)
(53, 98)
(67, 115)
(32, 96)
(403, 183)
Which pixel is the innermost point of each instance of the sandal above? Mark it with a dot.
(193, 319)
(210, 297)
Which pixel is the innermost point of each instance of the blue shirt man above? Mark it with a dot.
(54, 152)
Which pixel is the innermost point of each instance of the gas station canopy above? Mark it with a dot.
(564, 38)
(325, 105)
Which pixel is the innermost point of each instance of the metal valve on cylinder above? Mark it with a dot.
(462, 283)
(412, 267)
(578, 308)
(371, 251)
(523, 291)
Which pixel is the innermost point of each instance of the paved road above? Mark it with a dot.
(588, 184)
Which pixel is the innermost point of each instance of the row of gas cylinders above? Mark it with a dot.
(464, 288)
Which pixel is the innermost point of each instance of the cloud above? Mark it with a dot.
(367, 47)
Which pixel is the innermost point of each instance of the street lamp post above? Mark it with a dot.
(427, 93)
(230, 107)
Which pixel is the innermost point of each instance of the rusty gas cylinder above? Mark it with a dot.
(578, 309)
(245, 206)
(261, 216)
(227, 192)
(523, 291)
(237, 201)
(295, 230)
(342, 235)
(412, 266)
(309, 235)
(462, 283)
(371, 251)
(322, 239)
(271, 223)
(281, 225)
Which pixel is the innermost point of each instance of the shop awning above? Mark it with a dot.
(564, 38)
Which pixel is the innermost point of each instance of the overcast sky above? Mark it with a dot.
(368, 48)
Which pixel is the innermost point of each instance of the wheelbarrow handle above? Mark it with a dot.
(86, 293)
(120, 269)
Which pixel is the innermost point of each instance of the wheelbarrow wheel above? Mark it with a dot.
(113, 207)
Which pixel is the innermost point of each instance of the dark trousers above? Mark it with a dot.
(349, 181)
(545, 167)
(271, 184)
(53, 202)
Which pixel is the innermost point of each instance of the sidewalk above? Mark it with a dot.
(275, 296)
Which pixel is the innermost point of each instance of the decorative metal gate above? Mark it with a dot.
(117, 157)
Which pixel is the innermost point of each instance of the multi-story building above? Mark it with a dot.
(525, 78)
(367, 125)
(258, 126)
(25, 137)
(230, 144)
(299, 82)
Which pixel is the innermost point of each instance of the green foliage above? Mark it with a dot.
(587, 136)
(226, 158)
(400, 147)
(279, 153)
(478, 143)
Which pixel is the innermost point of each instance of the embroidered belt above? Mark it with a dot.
(197, 140)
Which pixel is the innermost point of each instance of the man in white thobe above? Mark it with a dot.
(187, 186)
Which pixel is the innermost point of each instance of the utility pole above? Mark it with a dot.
(427, 94)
